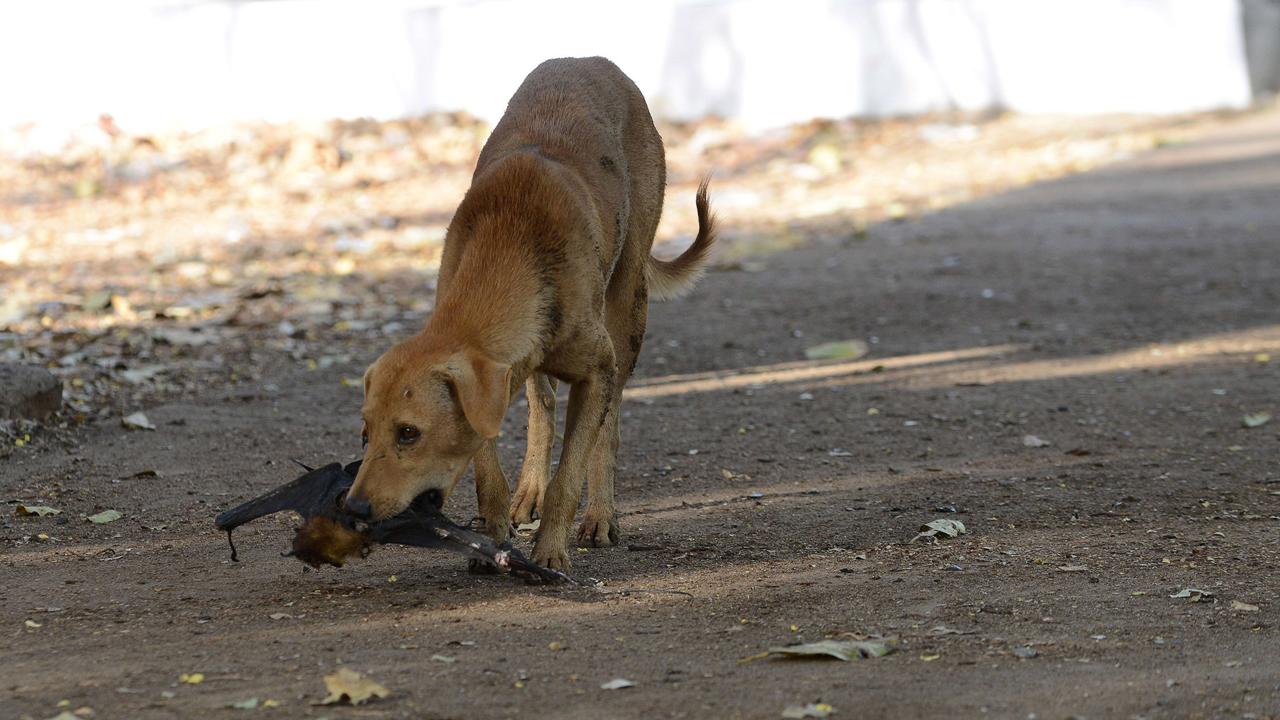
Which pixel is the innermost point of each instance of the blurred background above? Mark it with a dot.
(196, 192)
(191, 64)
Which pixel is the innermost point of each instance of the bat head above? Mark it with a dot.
(326, 541)
(427, 409)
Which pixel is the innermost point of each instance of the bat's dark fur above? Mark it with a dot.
(328, 536)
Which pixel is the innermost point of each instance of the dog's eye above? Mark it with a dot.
(407, 434)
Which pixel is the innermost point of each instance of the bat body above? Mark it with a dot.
(328, 536)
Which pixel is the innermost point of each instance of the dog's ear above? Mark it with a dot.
(484, 390)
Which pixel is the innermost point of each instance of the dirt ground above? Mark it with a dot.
(1129, 317)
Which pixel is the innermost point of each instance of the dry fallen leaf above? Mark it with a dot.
(351, 687)
(617, 684)
(191, 678)
(38, 510)
(1194, 595)
(1032, 441)
(846, 350)
(105, 517)
(845, 650)
(1073, 568)
(944, 527)
(1243, 606)
(812, 710)
(1256, 419)
(137, 421)
(944, 630)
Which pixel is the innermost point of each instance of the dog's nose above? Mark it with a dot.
(359, 507)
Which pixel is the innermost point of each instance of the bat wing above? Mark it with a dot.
(429, 528)
(315, 493)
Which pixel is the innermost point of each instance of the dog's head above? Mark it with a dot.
(426, 412)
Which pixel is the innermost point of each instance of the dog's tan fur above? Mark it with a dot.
(546, 274)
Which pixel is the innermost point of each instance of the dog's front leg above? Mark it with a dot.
(540, 390)
(493, 494)
(493, 497)
(589, 401)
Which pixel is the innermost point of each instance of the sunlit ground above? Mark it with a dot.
(985, 365)
(133, 265)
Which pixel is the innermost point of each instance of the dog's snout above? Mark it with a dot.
(358, 507)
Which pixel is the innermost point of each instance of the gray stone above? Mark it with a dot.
(28, 392)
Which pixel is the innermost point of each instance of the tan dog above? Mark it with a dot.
(546, 274)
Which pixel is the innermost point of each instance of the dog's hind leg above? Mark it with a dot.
(627, 315)
(540, 390)
(599, 526)
(590, 397)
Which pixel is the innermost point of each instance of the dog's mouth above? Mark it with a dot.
(432, 499)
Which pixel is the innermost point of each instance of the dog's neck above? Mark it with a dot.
(491, 304)
(507, 334)
(504, 242)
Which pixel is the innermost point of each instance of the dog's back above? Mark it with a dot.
(585, 114)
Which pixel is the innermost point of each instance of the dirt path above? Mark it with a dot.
(1125, 316)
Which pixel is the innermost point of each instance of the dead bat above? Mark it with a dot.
(329, 536)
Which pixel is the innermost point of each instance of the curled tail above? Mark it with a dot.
(672, 278)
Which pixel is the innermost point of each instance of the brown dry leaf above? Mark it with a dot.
(1243, 606)
(38, 510)
(352, 688)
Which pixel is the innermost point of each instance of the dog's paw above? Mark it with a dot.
(556, 558)
(524, 504)
(597, 533)
(475, 566)
(499, 529)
